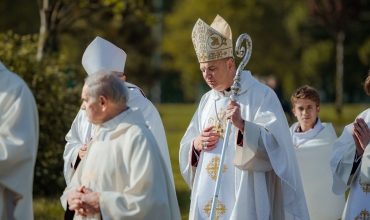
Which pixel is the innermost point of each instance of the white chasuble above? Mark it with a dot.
(358, 203)
(82, 130)
(313, 154)
(19, 135)
(263, 178)
(129, 173)
(211, 163)
(341, 162)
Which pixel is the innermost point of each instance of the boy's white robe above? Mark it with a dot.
(129, 173)
(313, 160)
(19, 135)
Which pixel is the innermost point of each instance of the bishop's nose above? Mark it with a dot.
(208, 74)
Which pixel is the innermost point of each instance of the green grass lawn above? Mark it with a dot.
(328, 114)
(176, 118)
(47, 209)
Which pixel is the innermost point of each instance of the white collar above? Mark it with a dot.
(114, 122)
(300, 138)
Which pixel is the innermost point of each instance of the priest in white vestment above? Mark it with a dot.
(19, 135)
(350, 165)
(313, 142)
(260, 176)
(103, 55)
(123, 174)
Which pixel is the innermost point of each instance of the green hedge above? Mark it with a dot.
(57, 100)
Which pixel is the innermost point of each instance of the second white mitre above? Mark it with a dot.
(103, 55)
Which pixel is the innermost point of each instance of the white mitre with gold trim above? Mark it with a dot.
(103, 55)
(212, 42)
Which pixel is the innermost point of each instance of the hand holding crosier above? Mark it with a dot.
(233, 113)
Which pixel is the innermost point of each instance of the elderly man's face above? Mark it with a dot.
(217, 74)
(92, 107)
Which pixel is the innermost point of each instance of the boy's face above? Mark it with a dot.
(306, 112)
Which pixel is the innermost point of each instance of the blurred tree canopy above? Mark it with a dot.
(56, 76)
(58, 17)
(57, 104)
(287, 43)
(335, 17)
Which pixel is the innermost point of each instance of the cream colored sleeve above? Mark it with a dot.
(365, 166)
(345, 165)
(252, 155)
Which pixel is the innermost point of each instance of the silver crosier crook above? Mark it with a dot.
(235, 89)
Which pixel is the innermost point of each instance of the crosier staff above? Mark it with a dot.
(240, 52)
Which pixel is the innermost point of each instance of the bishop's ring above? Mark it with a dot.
(205, 145)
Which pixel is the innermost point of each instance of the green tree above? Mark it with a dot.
(57, 16)
(56, 79)
(335, 16)
(69, 26)
(287, 42)
(56, 102)
(316, 51)
(262, 20)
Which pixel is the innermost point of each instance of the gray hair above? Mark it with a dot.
(107, 84)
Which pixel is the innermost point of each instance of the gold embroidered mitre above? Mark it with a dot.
(212, 42)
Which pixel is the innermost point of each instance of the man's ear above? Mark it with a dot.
(230, 64)
(123, 78)
(103, 102)
(293, 110)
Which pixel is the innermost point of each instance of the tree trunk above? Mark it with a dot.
(43, 7)
(339, 73)
(155, 92)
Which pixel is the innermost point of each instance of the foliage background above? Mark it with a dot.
(57, 98)
(287, 43)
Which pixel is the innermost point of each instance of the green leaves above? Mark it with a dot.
(57, 105)
(262, 20)
(287, 42)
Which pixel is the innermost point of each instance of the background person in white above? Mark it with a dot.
(103, 55)
(350, 165)
(122, 175)
(19, 135)
(260, 175)
(313, 142)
